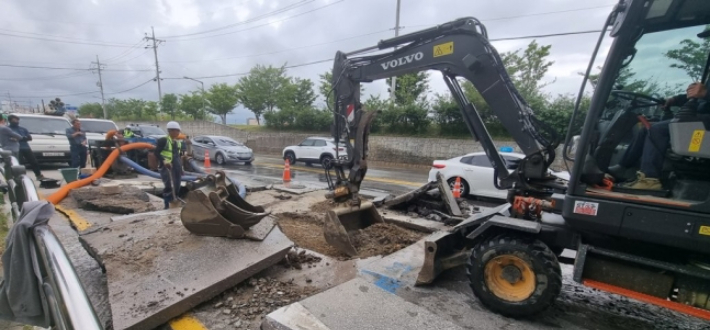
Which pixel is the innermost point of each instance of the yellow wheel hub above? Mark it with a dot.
(510, 278)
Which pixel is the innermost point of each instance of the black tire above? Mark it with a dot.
(219, 159)
(247, 163)
(291, 157)
(465, 190)
(326, 161)
(538, 259)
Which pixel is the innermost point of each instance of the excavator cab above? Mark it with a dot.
(653, 248)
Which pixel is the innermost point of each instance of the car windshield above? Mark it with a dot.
(151, 130)
(45, 125)
(97, 126)
(226, 142)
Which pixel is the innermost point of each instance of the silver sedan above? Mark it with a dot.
(221, 149)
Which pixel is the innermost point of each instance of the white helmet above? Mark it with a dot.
(173, 125)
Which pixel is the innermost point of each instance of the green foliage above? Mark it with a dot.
(410, 88)
(558, 113)
(169, 105)
(91, 110)
(411, 118)
(447, 116)
(150, 109)
(296, 94)
(260, 90)
(193, 105)
(691, 57)
(222, 99)
(528, 69)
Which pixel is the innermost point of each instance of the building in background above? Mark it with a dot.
(252, 122)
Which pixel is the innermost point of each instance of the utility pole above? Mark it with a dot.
(101, 85)
(396, 34)
(157, 67)
(203, 95)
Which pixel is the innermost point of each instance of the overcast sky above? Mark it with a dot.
(218, 37)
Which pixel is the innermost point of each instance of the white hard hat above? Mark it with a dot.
(173, 125)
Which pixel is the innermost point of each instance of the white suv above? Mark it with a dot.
(314, 150)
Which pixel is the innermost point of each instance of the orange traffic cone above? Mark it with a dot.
(287, 171)
(207, 159)
(457, 188)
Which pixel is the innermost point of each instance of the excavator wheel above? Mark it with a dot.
(514, 276)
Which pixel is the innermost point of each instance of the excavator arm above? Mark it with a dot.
(458, 49)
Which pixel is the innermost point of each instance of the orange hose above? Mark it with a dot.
(60, 194)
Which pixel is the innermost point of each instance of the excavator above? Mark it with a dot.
(651, 245)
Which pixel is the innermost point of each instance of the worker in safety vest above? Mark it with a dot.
(127, 133)
(167, 151)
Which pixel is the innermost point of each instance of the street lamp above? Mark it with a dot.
(203, 94)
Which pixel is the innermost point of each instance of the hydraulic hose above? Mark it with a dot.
(60, 194)
(145, 171)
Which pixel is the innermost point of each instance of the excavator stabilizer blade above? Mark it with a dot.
(341, 221)
(441, 252)
(214, 208)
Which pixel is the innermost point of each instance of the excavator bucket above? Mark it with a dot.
(341, 221)
(214, 208)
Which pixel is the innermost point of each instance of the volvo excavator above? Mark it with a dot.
(650, 245)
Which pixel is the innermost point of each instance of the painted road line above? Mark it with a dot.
(187, 322)
(79, 222)
(373, 179)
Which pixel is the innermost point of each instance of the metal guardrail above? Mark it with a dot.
(69, 305)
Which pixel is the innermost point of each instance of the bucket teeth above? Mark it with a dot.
(214, 208)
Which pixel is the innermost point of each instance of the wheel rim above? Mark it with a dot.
(220, 159)
(452, 183)
(510, 278)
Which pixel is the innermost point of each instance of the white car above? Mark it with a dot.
(476, 173)
(49, 140)
(314, 150)
(96, 129)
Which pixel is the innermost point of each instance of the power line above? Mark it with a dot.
(547, 35)
(251, 20)
(283, 50)
(66, 41)
(60, 68)
(139, 44)
(61, 37)
(526, 15)
(266, 24)
(132, 88)
(61, 76)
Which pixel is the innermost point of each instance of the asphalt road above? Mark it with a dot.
(386, 180)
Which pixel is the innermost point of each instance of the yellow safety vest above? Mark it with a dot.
(167, 153)
(127, 133)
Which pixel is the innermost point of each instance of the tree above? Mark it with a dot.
(410, 88)
(150, 109)
(192, 104)
(91, 110)
(169, 105)
(134, 108)
(527, 72)
(260, 90)
(447, 115)
(691, 56)
(222, 99)
(625, 81)
(296, 94)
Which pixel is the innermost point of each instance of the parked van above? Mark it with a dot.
(49, 141)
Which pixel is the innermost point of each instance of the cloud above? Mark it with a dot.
(124, 24)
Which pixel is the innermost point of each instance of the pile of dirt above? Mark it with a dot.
(306, 231)
(323, 207)
(296, 259)
(383, 239)
(249, 302)
(123, 199)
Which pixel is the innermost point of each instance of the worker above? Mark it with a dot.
(127, 133)
(26, 154)
(8, 138)
(77, 144)
(657, 140)
(167, 152)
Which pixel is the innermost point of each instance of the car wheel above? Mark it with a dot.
(219, 158)
(326, 161)
(291, 158)
(464, 186)
(514, 276)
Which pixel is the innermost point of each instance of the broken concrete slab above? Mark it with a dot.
(449, 200)
(157, 270)
(121, 199)
(356, 304)
(406, 221)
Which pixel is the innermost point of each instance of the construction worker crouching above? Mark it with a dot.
(167, 152)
